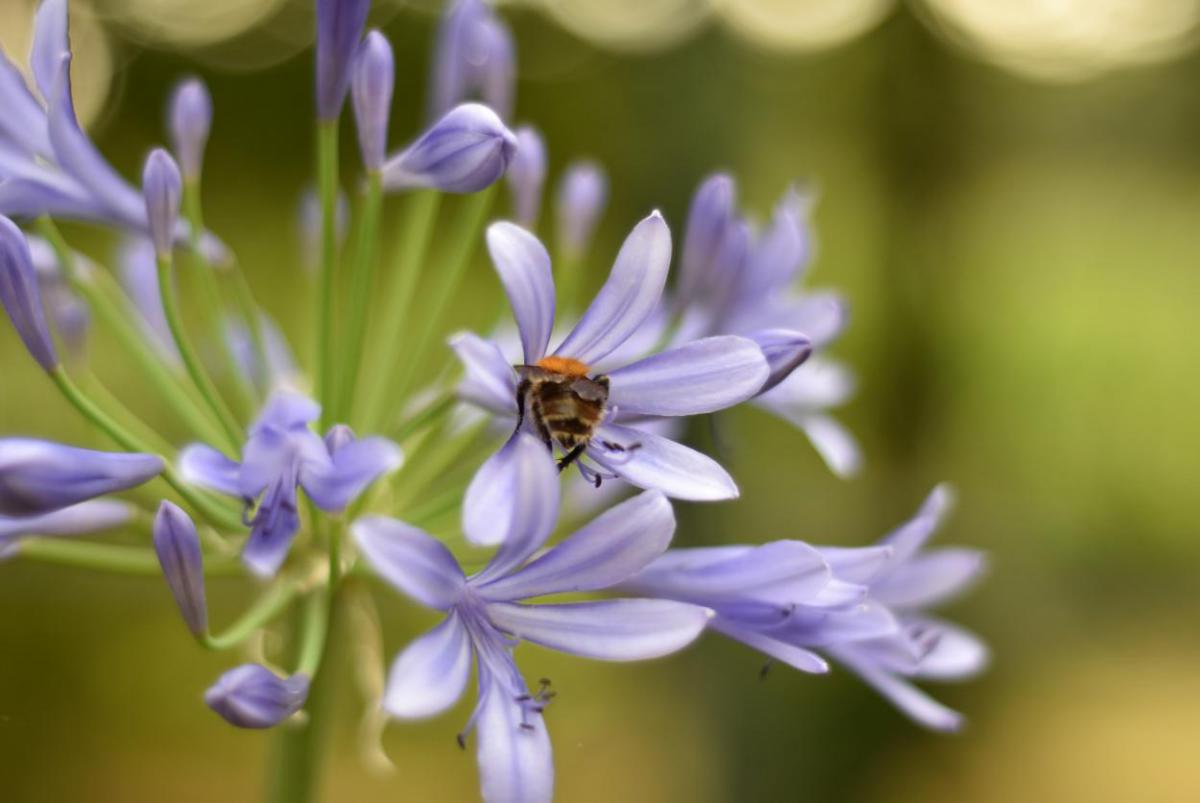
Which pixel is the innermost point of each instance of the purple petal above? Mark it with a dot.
(582, 194)
(466, 151)
(919, 706)
(784, 350)
(275, 526)
(21, 296)
(190, 120)
(512, 501)
(957, 654)
(86, 517)
(429, 676)
(790, 654)
(410, 559)
(784, 249)
(701, 377)
(709, 217)
(527, 175)
(819, 384)
(23, 123)
(473, 57)
(80, 159)
(162, 187)
(50, 44)
(661, 464)
(821, 316)
(857, 564)
(628, 297)
(930, 578)
(524, 269)
(613, 547)
(515, 761)
(489, 380)
(252, 696)
(374, 76)
(178, 550)
(780, 573)
(287, 410)
(40, 476)
(204, 466)
(909, 537)
(606, 630)
(821, 627)
(339, 28)
(353, 467)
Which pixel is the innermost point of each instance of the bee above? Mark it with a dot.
(565, 404)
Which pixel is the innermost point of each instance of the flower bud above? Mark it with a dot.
(338, 437)
(161, 187)
(374, 76)
(252, 696)
(40, 476)
(473, 58)
(712, 212)
(784, 350)
(178, 549)
(527, 174)
(21, 297)
(189, 119)
(339, 28)
(86, 517)
(582, 194)
(466, 151)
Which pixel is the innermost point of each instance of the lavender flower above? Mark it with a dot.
(21, 296)
(281, 455)
(280, 370)
(473, 58)
(582, 195)
(178, 549)
(864, 607)
(161, 187)
(252, 696)
(339, 28)
(86, 517)
(527, 174)
(485, 617)
(189, 119)
(39, 476)
(68, 313)
(138, 275)
(910, 582)
(374, 75)
(466, 151)
(698, 377)
(735, 283)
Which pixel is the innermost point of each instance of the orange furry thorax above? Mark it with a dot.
(567, 366)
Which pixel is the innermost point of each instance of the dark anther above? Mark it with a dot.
(526, 726)
(461, 738)
(766, 668)
(524, 698)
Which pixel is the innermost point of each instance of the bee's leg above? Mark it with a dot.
(572, 456)
(522, 392)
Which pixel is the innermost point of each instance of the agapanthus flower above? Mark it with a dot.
(472, 59)
(21, 297)
(465, 151)
(486, 616)
(281, 456)
(178, 548)
(87, 517)
(280, 370)
(48, 165)
(863, 607)
(699, 377)
(189, 120)
(38, 476)
(579, 203)
(339, 29)
(252, 696)
(162, 190)
(735, 282)
(374, 76)
(527, 175)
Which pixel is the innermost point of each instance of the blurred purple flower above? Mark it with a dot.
(138, 275)
(473, 58)
(162, 187)
(21, 295)
(39, 476)
(486, 618)
(86, 517)
(280, 371)
(465, 151)
(339, 29)
(252, 696)
(582, 196)
(698, 377)
(189, 120)
(178, 548)
(308, 225)
(374, 75)
(527, 174)
(281, 455)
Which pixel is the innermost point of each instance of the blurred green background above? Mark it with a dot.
(1012, 210)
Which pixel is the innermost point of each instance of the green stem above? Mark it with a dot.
(430, 413)
(362, 279)
(105, 557)
(272, 603)
(114, 309)
(327, 178)
(107, 400)
(299, 746)
(203, 505)
(462, 244)
(432, 463)
(569, 267)
(191, 359)
(416, 230)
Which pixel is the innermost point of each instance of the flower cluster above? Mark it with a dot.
(273, 483)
